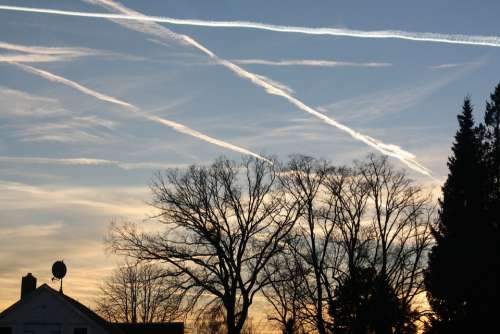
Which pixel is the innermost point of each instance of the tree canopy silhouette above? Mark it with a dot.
(356, 256)
(461, 280)
(333, 249)
(223, 224)
(138, 293)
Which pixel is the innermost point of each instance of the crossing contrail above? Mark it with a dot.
(493, 41)
(103, 97)
(270, 87)
(146, 24)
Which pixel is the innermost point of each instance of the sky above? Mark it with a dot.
(91, 108)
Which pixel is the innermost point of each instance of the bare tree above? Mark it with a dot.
(213, 321)
(385, 223)
(303, 178)
(210, 321)
(223, 224)
(348, 193)
(402, 217)
(286, 291)
(138, 293)
(364, 232)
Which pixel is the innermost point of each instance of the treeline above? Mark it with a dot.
(333, 249)
(350, 249)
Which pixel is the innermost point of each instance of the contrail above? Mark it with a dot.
(103, 97)
(388, 149)
(152, 28)
(493, 41)
(307, 62)
(73, 84)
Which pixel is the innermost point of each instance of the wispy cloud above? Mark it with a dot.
(454, 65)
(65, 130)
(149, 27)
(174, 105)
(22, 104)
(96, 121)
(44, 54)
(88, 162)
(307, 62)
(39, 119)
(57, 161)
(382, 103)
(103, 199)
(343, 32)
(32, 231)
(33, 58)
(50, 51)
(162, 43)
(110, 99)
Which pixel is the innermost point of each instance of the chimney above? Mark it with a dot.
(28, 285)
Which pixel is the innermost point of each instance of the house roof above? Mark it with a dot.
(88, 313)
(112, 328)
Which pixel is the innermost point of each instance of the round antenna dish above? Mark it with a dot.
(59, 269)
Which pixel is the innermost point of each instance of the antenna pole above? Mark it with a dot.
(60, 287)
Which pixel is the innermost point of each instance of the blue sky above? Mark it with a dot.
(70, 163)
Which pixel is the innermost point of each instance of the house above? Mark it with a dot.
(44, 310)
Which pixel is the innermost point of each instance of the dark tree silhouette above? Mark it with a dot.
(303, 179)
(330, 248)
(401, 218)
(490, 281)
(388, 312)
(370, 218)
(212, 321)
(286, 292)
(492, 143)
(456, 264)
(138, 293)
(223, 224)
(385, 231)
(365, 303)
(350, 306)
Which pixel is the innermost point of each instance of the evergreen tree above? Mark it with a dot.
(365, 303)
(350, 306)
(490, 291)
(492, 156)
(458, 261)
